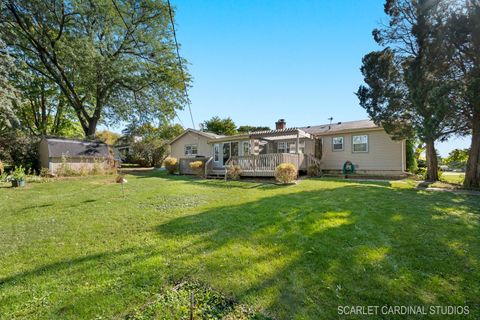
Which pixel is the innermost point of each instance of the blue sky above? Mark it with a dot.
(258, 61)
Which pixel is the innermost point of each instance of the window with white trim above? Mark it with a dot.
(360, 143)
(282, 147)
(337, 143)
(293, 148)
(191, 150)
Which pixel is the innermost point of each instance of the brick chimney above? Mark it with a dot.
(280, 124)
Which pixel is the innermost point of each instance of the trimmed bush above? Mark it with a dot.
(171, 164)
(234, 172)
(285, 173)
(196, 166)
(313, 170)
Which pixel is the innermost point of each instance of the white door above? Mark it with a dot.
(216, 154)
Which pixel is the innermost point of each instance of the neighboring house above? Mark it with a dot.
(78, 155)
(123, 147)
(366, 145)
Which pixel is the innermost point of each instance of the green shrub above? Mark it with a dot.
(313, 170)
(234, 172)
(20, 149)
(285, 173)
(421, 172)
(149, 152)
(412, 164)
(45, 173)
(171, 164)
(18, 173)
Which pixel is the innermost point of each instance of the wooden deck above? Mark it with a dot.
(264, 165)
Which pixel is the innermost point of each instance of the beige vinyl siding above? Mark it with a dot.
(384, 155)
(177, 148)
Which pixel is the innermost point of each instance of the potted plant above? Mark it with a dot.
(18, 177)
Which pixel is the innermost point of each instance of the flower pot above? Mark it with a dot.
(18, 183)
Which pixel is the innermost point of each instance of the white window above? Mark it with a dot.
(216, 152)
(293, 149)
(246, 148)
(360, 143)
(337, 143)
(282, 147)
(191, 150)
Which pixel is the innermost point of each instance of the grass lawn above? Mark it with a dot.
(453, 177)
(78, 249)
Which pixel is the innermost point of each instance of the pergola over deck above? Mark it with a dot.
(281, 134)
(265, 164)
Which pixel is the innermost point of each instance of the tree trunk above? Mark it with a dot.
(432, 161)
(91, 129)
(472, 175)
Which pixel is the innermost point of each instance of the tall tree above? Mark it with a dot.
(465, 36)
(112, 60)
(457, 158)
(219, 126)
(9, 95)
(408, 86)
(44, 110)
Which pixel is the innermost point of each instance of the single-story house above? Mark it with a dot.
(77, 155)
(367, 146)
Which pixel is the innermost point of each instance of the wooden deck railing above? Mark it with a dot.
(311, 160)
(265, 164)
(208, 166)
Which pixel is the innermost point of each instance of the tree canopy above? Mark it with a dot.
(409, 89)
(9, 95)
(111, 60)
(219, 126)
(246, 129)
(464, 36)
(457, 158)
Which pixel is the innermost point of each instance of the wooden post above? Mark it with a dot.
(297, 144)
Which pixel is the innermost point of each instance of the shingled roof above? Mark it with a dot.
(340, 127)
(206, 134)
(76, 148)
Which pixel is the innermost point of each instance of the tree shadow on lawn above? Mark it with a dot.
(303, 254)
(295, 255)
(261, 183)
